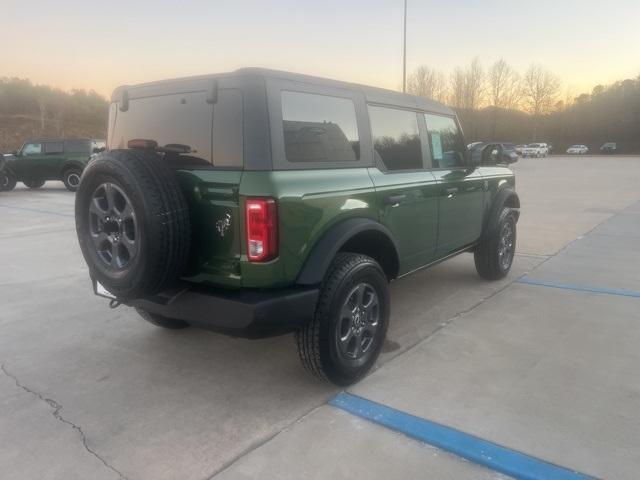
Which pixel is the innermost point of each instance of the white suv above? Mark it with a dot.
(577, 149)
(535, 150)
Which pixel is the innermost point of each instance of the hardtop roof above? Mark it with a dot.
(372, 94)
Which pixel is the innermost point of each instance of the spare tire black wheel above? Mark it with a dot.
(33, 183)
(132, 222)
(71, 179)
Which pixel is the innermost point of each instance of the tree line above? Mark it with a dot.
(498, 103)
(28, 110)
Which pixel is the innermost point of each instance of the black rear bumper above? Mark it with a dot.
(243, 313)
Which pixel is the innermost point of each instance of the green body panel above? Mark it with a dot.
(428, 223)
(413, 219)
(460, 211)
(309, 203)
(46, 166)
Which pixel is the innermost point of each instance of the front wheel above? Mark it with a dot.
(344, 339)
(494, 255)
(7, 182)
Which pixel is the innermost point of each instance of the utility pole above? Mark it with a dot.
(404, 51)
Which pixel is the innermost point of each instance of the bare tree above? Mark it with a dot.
(457, 88)
(427, 82)
(505, 86)
(540, 89)
(474, 85)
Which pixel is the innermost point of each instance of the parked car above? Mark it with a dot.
(258, 203)
(41, 160)
(519, 149)
(610, 147)
(535, 150)
(577, 149)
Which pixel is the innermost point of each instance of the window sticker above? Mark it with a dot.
(436, 145)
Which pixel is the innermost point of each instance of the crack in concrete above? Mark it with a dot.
(58, 416)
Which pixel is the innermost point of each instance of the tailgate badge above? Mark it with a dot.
(223, 224)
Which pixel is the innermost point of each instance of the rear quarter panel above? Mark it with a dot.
(309, 203)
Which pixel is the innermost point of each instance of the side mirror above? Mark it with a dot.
(474, 159)
(98, 149)
(509, 157)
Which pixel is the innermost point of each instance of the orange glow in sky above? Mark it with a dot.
(100, 45)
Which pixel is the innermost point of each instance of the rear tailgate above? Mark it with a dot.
(213, 199)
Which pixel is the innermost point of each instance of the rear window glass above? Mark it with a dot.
(227, 129)
(183, 118)
(77, 146)
(319, 128)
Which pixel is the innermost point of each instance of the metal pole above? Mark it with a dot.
(404, 51)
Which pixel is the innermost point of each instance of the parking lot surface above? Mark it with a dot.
(544, 362)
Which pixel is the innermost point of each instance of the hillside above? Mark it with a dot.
(15, 129)
(28, 111)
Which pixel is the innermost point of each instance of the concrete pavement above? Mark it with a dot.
(154, 404)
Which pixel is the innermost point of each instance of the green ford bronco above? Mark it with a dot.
(257, 203)
(41, 160)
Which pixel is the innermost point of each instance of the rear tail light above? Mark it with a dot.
(262, 229)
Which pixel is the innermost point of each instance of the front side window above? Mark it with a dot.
(53, 147)
(445, 138)
(319, 128)
(32, 149)
(396, 140)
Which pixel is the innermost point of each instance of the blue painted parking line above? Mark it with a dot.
(35, 210)
(477, 450)
(579, 288)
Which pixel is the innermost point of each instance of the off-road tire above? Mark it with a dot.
(486, 254)
(71, 178)
(33, 183)
(161, 215)
(7, 182)
(160, 321)
(317, 340)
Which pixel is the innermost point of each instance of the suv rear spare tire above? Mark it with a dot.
(132, 222)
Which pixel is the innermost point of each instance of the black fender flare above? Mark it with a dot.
(71, 164)
(334, 239)
(506, 196)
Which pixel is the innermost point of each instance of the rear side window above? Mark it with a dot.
(445, 138)
(53, 147)
(77, 146)
(319, 128)
(396, 140)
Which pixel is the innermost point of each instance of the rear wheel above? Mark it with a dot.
(160, 321)
(343, 341)
(33, 183)
(494, 255)
(71, 179)
(7, 182)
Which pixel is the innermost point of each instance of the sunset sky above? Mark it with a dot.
(100, 45)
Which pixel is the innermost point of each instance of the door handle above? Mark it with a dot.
(394, 199)
(451, 191)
